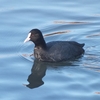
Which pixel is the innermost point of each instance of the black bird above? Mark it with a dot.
(54, 51)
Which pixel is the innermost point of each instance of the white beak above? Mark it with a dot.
(28, 38)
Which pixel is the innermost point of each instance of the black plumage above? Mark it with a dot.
(54, 51)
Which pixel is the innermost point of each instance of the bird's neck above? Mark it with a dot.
(41, 43)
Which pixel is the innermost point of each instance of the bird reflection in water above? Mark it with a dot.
(38, 71)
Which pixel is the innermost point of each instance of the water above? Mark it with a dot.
(22, 78)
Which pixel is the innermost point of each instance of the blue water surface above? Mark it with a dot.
(24, 78)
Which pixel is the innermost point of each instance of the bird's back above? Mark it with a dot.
(63, 50)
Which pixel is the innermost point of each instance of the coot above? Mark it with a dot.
(54, 51)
